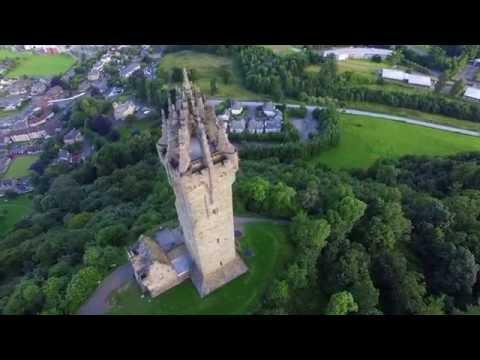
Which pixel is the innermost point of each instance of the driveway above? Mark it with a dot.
(98, 303)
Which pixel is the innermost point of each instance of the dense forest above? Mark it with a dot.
(402, 237)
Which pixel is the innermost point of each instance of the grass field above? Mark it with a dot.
(20, 166)
(433, 118)
(140, 125)
(271, 250)
(16, 210)
(207, 67)
(366, 139)
(36, 64)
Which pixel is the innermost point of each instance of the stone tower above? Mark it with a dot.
(201, 165)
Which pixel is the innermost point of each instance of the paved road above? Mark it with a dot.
(373, 114)
(98, 303)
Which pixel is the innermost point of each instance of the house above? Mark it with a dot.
(255, 126)
(237, 126)
(412, 79)
(357, 53)
(127, 71)
(274, 124)
(121, 111)
(84, 86)
(236, 108)
(64, 156)
(38, 88)
(269, 109)
(19, 87)
(11, 102)
(472, 93)
(93, 75)
(225, 117)
(49, 49)
(40, 120)
(54, 93)
(476, 62)
(72, 137)
(392, 74)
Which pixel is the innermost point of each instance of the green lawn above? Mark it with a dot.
(433, 118)
(271, 250)
(20, 166)
(366, 139)
(140, 125)
(207, 67)
(16, 210)
(36, 64)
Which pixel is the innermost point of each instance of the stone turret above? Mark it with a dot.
(201, 164)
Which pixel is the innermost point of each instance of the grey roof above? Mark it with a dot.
(129, 68)
(236, 105)
(268, 106)
(72, 134)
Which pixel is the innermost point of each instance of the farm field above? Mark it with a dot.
(366, 139)
(20, 166)
(208, 67)
(37, 64)
(271, 250)
(15, 209)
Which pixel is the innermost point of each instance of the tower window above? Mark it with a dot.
(218, 241)
(221, 263)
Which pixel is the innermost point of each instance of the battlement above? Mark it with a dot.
(192, 138)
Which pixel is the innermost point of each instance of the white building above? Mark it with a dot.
(472, 93)
(236, 108)
(412, 79)
(357, 53)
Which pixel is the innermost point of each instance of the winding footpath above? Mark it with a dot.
(98, 303)
(371, 114)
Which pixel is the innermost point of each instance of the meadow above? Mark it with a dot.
(366, 139)
(20, 167)
(271, 251)
(207, 67)
(30, 64)
(15, 210)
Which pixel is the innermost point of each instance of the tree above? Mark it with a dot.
(279, 293)
(341, 303)
(66, 193)
(282, 199)
(114, 235)
(177, 74)
(225, 74)
(54, 292)
(27, 298)
(213, 86)
(457, 88)
(442, 81)
(80, 287)
(344, 215)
